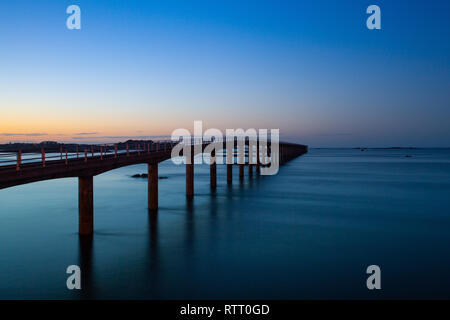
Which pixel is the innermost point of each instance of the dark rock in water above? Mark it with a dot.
(137, 175)
(408, 156)
(145, 175)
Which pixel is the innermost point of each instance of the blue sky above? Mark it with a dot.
(311, 69)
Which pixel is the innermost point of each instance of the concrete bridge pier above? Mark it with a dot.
(213, 170)
(250, 159)
(153, 186)
(190, 175)
(241, 172)
(265, 158)
(229, 162)
(269, 153)
(86, 205)
(257, 157)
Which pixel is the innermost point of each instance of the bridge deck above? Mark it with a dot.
(32, 172)
(12, 175)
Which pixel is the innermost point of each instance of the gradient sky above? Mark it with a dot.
(144, 68)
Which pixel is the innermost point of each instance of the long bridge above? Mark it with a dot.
(87, 164)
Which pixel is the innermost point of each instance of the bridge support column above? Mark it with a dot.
(190, 175)
(86, 205)
(153, 186)
(229, 173)
(213, 170)
(264, 156)
(257, 157)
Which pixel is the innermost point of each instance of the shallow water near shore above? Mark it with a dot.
(308, 232)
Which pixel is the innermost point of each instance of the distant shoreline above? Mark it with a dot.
(71, 147)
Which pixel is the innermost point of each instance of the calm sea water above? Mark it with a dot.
(308, 232)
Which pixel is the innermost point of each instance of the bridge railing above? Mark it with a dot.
(66, 153)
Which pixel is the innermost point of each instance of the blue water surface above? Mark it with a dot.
(308, 232)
